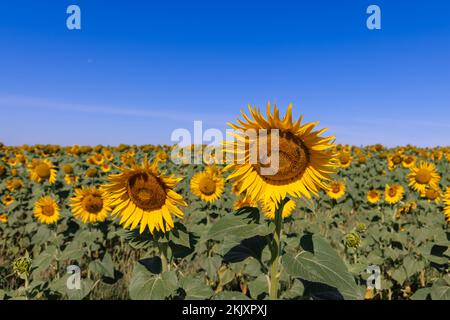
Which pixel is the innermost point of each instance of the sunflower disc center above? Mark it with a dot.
(207, 186)
(43, 171)
(423, 176)
(93, 204)
(392, 192)
(335, 188)
(293, 159)
(48, 210)
(146, 191)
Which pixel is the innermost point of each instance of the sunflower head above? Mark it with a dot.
(305, 159)
(393, 193)
(91, 172)
(141, 195)
(3, 218)
(22, 265)
(207, 185)
(89, 205)
(14, 184)
(2, 170)
(409, 161)
(7, 200)
(67, 168)
(432, 194)
(423, 176)
(42, 170)
(336, 190)
(345, 159)
(447, 205)
(46, 210)
(373, 196)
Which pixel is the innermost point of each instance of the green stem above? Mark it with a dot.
(162, 246)
(276, 252)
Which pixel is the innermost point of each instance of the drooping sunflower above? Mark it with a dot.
(336, 190)
(269, 207)
(305, 159)
(89, 205)
(432, 194)
(373, 196)
(42, 170)
(244, 201)
(46, 210)
(141, 195)
(70, 179)
(423, 176)
(394, 193)
(8, 200)
(409, 161)
(207, 186)
(447, 205)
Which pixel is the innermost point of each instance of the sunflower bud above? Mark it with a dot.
(361, 227)
(21, 266)
(352, 240)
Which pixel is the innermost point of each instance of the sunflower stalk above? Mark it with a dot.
(274, 275)
(162, 247)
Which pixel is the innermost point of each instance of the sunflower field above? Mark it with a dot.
(137, 225)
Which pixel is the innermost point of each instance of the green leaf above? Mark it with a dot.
(145, 284)
(196, 289)
(258, 288)
(231, 295)
(441, 289)
(321, 264)
(421, 294)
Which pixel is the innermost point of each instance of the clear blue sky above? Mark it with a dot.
(139, 69)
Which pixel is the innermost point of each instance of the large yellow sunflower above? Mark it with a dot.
(46, 210)
(423, 176)
(141, 195)
(447, 205)
(207, 186)
(305, 158)
(89, 205)
(394, 193)
(373, 196)
(269, 208)
(42, 170)
(336, 190)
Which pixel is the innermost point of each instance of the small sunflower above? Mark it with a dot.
(70, 179)
(447, 205)
(89, 205)
(345, 159)
(423, 176)
(394, 193)
(42, 170)
(432, 194)
(305, 159)
(207, 186)
(46, 210)
(269, 207)
(8, 200)
(3, 218)
(373, 196)
(14, 184)
(409, 161)
(336, 190)
(141, 195)
(106, 167)
(394, 161)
